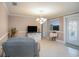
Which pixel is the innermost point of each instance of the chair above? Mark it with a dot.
(53, 35)
(21, 47)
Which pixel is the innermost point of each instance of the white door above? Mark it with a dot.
(71, 29)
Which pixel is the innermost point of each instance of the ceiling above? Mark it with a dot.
(43, 9)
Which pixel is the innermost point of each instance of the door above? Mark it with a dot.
(71, 29)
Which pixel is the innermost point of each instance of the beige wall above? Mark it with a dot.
(61, 19)
(61, 33)
(3, 22)
(21, 23)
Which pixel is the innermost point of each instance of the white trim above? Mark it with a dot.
(60, 41)
(10, 14)
(64, 30)
(4, 4)
(6, 7)
(2, 37)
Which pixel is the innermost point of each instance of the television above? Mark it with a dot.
(56, 27)
(31, 29)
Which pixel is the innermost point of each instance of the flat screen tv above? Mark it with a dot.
(56, 27)
(31, 29)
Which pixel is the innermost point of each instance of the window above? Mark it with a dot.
(54, 25)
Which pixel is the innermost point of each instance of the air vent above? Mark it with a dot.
(14, 3)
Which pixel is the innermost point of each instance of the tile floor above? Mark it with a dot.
(50, 48)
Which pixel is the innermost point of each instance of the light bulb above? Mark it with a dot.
(37, 19)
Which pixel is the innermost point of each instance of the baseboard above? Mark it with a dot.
(60, 41)
(72, 45)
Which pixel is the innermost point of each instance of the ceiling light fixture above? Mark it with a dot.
(41, 20)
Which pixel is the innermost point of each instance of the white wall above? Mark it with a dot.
(45, 28)
(3, 22)
(21, 23)
(74, 17)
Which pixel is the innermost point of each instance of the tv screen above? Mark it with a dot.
(32, 29)
(56, 27)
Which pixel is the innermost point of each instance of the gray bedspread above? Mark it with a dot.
(21, 47)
